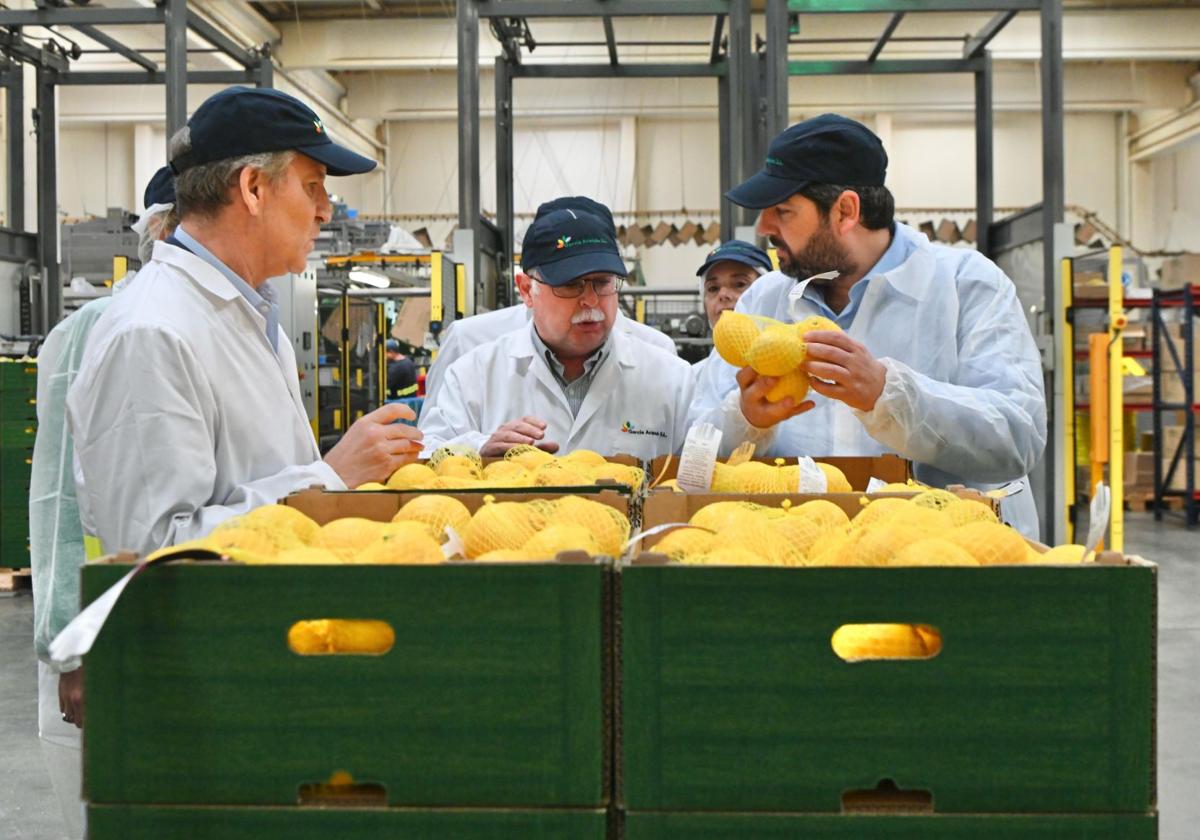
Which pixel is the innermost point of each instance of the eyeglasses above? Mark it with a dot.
(602, 286)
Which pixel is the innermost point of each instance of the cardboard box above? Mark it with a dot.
(126, 822)
(495, 694)
(1041, 700)
(1179, 271)
(1172, 435)
(1139, 470)
(859, 470)
(700, 826)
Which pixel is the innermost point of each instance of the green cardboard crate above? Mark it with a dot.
(126, 822)
(1040, 701)
(495, 693)
(664, 826)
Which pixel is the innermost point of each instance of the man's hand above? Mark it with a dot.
(853, 375)
(376, 446)
(70, 696)
(757, 409)
(527, 430)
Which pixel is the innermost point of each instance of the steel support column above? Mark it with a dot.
(984, 157)
(14, 105)
(725, 159)
(175, 65)
(46, 123)
(468, 124)
(1052, 204)
(265, 69)
(741, 70)
(504, 181)
(776, 90)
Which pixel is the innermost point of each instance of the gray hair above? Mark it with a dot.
(159, 226)
(204, 189)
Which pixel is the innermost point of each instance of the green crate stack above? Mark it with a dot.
(1036, 719)
(18, 425)
(489, 717)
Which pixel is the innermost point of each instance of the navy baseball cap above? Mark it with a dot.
(161, 189)
(828, 149)
(580, 202)
(565, 244)
(738, 251)
(246, 121)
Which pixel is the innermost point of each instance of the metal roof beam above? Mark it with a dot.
(887, 33)
(978, 42)
(600, 8)
(116, 46)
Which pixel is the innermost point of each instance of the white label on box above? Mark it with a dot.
(876, 485)
(698, 458)
(812, 477)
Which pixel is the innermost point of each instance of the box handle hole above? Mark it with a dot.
(341, 636)
(342, 791)
(867, 642)
(887, 797)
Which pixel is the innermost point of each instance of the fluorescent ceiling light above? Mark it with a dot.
(369, 278)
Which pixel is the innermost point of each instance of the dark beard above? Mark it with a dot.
(822, 253)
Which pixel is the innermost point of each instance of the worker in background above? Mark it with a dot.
(186, 410)
(55, 534)
(465, 335)
(401, 372)
(569, 380)
(936, 361)
(727, 272)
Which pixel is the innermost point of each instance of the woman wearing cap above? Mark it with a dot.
(728, 272)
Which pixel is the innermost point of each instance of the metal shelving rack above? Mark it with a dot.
(1186, 299)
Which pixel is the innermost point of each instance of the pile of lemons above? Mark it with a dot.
(770, 347)
(761, 477)
(932, 528)
(461, 468)
(420, 533)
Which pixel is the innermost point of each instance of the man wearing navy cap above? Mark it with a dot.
(936, 361)
(465, 335)
(569, 380)
(187, 409)
(56, 551)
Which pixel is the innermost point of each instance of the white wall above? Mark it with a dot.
(1170, 201)
(96, 170)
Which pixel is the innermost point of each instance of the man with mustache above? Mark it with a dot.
(936, 361)
(569, 380)
(462, 336)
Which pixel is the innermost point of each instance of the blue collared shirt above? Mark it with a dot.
(897, 252)
(576, 390)
(262, 299)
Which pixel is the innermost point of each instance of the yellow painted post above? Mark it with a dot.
(1068, 414)
(435, 287)
(774, 255)
(120, 268)
(460, 289)
(1116, 405)
(381, 353)
(639, 309)
(1097, 400)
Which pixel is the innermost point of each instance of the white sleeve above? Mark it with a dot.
(448, 417)
(449, 349)
(989, 424)
(141, 416)
(717, 400)
(683, 402)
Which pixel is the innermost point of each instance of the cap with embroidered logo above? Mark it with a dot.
(829, 149)
(579, 202)
(245, 121)
(566, 244)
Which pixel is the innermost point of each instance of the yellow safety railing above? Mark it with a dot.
(1117, 320)
(1068, 418)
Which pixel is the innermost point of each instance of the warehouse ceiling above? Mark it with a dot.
(280, 11)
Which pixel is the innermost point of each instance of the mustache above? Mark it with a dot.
(587, 316)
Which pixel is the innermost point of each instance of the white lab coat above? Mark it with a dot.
(182, 414)
(963, 398)
(637, 403)
(463, 336)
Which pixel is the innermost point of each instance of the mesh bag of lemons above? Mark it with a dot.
(761, 477)
(462, 468)
(771, 347)
(427, 529)
(932, 528)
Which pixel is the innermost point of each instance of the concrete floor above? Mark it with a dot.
(28, 810)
